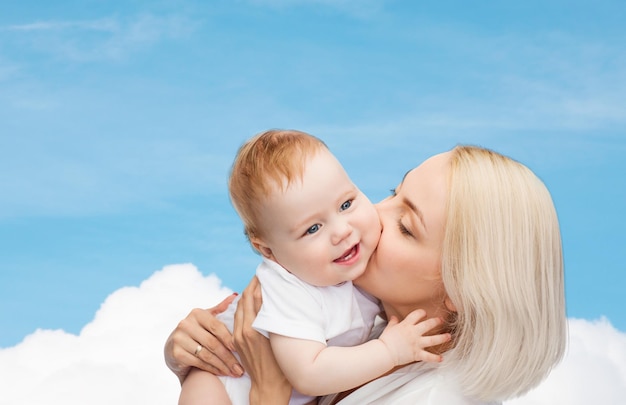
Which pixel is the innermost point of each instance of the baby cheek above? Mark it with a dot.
(374, 222)
(372, 236)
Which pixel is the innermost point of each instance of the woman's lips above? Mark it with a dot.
(349, 256)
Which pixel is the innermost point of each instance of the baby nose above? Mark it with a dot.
(343, 230)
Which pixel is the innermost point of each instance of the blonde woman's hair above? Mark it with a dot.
(502, 268)
(267, 162)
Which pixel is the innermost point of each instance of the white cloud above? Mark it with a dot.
(117, 358)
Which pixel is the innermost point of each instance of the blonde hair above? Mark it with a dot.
(268, 161)
(502, 268)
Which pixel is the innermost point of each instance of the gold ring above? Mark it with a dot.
(198, 350)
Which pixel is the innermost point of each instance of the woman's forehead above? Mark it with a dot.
(433, 166)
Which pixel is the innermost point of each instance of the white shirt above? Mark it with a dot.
(339, 315)
(416, 384)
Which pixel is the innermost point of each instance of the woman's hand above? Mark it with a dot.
(201, 341)
(269, 385)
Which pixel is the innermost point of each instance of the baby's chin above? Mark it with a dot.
(359, 272)
(351, 276)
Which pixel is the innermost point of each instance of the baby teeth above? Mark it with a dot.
(349, 255)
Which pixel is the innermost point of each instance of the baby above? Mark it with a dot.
(316, 232)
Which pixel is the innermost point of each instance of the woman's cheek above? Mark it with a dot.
(388, 263)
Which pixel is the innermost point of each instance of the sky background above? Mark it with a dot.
(119, 121)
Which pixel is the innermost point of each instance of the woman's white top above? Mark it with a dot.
(415, 384)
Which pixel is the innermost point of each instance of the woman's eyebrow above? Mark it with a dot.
(416, 210)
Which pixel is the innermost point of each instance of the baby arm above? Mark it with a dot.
(316, 369)
(203, 388)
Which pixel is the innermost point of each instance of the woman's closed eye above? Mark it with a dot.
(403, 229)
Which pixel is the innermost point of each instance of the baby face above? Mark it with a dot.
(322, 229)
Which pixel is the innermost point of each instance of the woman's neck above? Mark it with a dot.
(442, 312)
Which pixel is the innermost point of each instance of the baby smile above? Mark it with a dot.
(350, 255)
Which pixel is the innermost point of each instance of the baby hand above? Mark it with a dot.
(406, 341)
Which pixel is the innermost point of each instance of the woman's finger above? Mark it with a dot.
(202, 341)
(247, 310)
(268, 383)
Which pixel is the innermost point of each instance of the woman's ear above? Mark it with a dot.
(262, 248)
(449, 304)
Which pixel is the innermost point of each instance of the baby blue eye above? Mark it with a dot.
(346, 205)
(313, 229)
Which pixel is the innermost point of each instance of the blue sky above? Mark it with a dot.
(119, 121)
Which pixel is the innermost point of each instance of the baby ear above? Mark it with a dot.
(262, 248)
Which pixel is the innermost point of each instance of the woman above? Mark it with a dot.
(470, 236)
